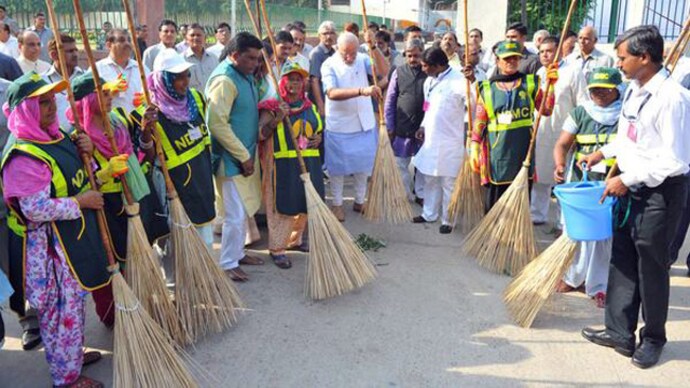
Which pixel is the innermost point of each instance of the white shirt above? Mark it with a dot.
(570, 91)
(11, 47)
(595, 59)
(181, 47)
(354, 114)
(487, 60)
(38, 66)
(52, 76)
(216, 49)
(444, 135)
(151, 53)
(202, 68)
(662, 126)
(109, 71)
(301, 60)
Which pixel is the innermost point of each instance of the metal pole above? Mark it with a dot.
(320, 8)
(233, 17)
(523, 12)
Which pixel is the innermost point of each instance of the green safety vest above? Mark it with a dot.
(509, 142)
(80, 239)
(590, 137)
(188, 161)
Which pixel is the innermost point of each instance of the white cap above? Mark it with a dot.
(169, 60)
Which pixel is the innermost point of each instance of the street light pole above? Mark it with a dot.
(233, 17)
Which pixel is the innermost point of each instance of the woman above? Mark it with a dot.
(589, 127)
(505, 115)
(184, 137)
(48, 194)
(283, 190)
(91, 120)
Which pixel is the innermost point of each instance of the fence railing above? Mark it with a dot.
(668, 15)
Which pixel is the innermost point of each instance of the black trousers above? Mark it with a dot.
(495, 192)
(638, 273)
(680, 234)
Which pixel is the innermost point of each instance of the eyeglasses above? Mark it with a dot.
(120, 39)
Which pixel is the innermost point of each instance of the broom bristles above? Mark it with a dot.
(336, 264)
(205, 297)
(143, 355)
(387, 195)
(528, 292)
(143, 275)
(503, 242)
(467, 202)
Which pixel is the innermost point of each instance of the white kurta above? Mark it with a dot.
(444, 137)
(570, 91)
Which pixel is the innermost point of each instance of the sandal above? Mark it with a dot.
(237, 275)
(82, 382)
(281, 261)
(251, 260)
(91, 357)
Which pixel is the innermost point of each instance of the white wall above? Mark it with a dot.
(488, 15)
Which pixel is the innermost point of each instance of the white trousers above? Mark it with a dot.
(591, 266)
(540, 202)
(234, 227)
(404, 167)
(437, 192)
(338, 184)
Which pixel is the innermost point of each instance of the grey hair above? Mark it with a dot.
(347, 38)
(543, 33)
(326, 26)
(414, 43)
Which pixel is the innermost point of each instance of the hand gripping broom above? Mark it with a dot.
(336, 264)
(206, 299)
(503, 241)
(467, 200)
(528, 292)
(387, 195)
(144, 354)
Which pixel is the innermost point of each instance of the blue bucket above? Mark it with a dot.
(585, 218)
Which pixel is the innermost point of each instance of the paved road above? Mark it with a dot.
(433, 318)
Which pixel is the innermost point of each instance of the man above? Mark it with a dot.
(413, 32)
(8, 43)
(653, 158)
(486, 59)
(284, 48)
(441, 154)
(473, 72)
(306, 49)
(43, 32)
(404, 112)
(142, 36)
(298, 37)
(233, 120)
(537, 38)
(9, 68)
(569, 92)
(30, 52)
(182, 46)
(14, 28)
(69, 48)
(529, 64)
(196, 54)
(119, 63)
(586, 56)
(568, 44)
(350, 139)
(449, 45)
(317, 57)
(383, 42)
(101, 35)
(167, 33)
(223, 34)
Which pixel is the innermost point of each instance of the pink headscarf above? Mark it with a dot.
(87, 108)
(24, 175)
(174, 106)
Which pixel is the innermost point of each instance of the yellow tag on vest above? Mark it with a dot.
(505, 118)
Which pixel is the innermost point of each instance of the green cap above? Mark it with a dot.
(508, 48)
(293, 67)
(83, 85)
(604, 77)
(30, 85)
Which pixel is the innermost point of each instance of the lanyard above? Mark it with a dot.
(438, 81)
(633, 119)
(597, 128)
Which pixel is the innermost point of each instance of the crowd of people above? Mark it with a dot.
(222, 125)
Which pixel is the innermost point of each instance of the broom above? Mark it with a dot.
(467, 200)
(387, 195)
(678, 47)
(503, 241)
(206, 299)
(144, 355)
(336, 264)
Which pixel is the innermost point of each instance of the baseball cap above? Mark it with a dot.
(293, 67)
(604, 77)
(30, 85)
(508, 48)
(169, 60)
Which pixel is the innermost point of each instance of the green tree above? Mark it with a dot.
(549, 14)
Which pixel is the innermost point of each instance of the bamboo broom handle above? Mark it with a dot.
(85, 158)
(287, 123)
(373, 65)
(673, 56)
(545, 97)
(169, 185)
(99, 92)
(468, 88)
(269, 31)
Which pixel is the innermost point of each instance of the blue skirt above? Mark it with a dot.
(350, 153)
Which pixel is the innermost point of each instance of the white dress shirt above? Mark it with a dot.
(202, 68)
(595, 59)
(445, 99)
(354, 114)
(52, 76)
(10, 48)
(658, 117)
(151, 53)
(109, 71)
(216, 49)
(38, 65)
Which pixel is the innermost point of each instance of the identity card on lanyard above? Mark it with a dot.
(194, 132)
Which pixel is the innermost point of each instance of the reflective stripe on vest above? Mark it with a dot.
(601, 138)
(493, 125)
(285, 152)
(59, 184)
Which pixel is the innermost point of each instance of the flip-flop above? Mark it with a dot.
(235, 277)
(281, 261)
(91, 357)
(251, 260)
